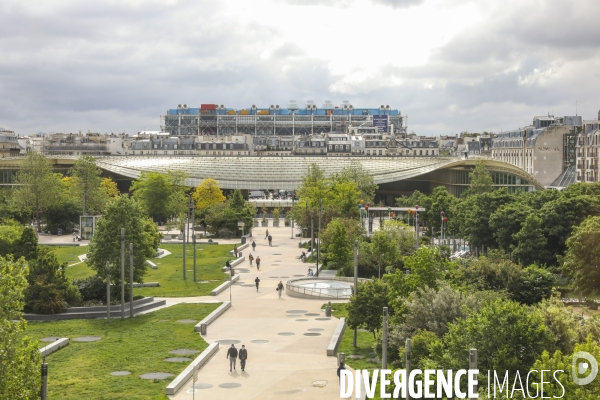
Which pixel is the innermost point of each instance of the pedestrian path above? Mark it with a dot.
(286, 338)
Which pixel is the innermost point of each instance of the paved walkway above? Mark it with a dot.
(281, 366)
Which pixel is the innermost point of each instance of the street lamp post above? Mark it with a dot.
(292, 219)
(442, 227)
(122, 273)
(319, 236)
(417, 223)
(131, 280)
(355, 283)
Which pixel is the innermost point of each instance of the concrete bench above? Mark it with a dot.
(180, 380)
(224, 286)
(147, 284)
(234, 263)
(151, 264)
(337, 337)
(210, 318)
(54, 346)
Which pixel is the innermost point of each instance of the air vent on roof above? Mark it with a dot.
(387, 107)
(382, 107)
(292, 105)
(327, 104)
(272, 107)
(185, 106)
(345, 106)
(350, 107)
(253, 106)
(178, 105)
(277, 106)
(222, 107)
(314, 106)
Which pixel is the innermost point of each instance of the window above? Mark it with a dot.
(380, 152)
(175, 146)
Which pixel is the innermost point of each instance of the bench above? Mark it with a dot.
(151, 264)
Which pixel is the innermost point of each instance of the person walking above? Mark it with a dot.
(270, 240)
(235, 250)
(243, 357)
(253, 245)
(250, 258)
(267, 234)
(257, 281)
(232, 354)
(257, 262)
(279, 288)
(339, 372)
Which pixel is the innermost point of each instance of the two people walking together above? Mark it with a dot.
(232, 354)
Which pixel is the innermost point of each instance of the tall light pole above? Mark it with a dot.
(417, 223)
(122, 273)
(131, 280)
(108, 292)
(442, 227)
(355, 283)
(292, 218)
(194, 244)
(319, 237)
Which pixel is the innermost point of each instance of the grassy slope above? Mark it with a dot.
(364, 342)
(209, 261)
(139, 345)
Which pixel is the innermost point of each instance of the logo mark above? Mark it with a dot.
(579, 368)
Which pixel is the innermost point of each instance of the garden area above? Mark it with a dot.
(209, 261)
(138, 345)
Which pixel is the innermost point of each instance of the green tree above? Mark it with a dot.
(564, 362)
(208, 193)
(507, 336)
(88, 184)
(534, 285)
(20, 358)
(356, 173)
(582, 260)
(480, 180)
(36, 186)
(365, 310)
(162, 195)
(10, 231)
(532, 245)
(441, 201)
(473, 216)
(339, 250)
(563, 328)
(105, 245)
(506, 221)
(27, 245)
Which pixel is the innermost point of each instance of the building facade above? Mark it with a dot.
(587, 145)
(9, 144)
(544, 149)
(214, 119)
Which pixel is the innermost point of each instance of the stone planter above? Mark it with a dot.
(286, 223)
(275, 223)
(264, 223)
(256, 224)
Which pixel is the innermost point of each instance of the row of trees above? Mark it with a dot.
(40, 193)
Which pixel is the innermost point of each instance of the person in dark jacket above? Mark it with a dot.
(340, 368)
(270, 240)
(257, 281)
(232, 354)
(257, 262)
(243, 357)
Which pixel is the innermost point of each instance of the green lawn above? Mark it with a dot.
(138, 345)
(210, 258)
(364, 342)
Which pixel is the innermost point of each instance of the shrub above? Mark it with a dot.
(91, 288)
(73, 296)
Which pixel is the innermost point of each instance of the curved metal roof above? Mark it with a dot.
(287, 172)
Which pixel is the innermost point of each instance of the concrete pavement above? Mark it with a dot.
(283, 362)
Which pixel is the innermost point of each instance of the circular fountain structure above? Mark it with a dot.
(329, 288)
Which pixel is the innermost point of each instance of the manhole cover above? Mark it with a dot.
(316, 329)
(87, 339)
(202, 386)
(274, 277)
(230, 385)
(284, 276)
(227, 341)
(301, 319)
(312, 315)
(259, 341)
(276, 260)
(120, 373)
(320, 384)
(177, 359)
(50, 339)
(322, 319)
(296, 311)
(286, 333)
(248, 285)
(156, 375)
(312, 334)
(298, 275)
(187, 321)
(276, 265)
(184, 351)
(276, 254)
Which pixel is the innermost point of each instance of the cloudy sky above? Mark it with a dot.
(450, 65)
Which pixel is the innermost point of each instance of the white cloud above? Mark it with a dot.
(449, 64)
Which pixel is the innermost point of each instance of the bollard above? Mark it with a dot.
(473, 365)
(341, 358)
(203, 329)
(44, 393)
